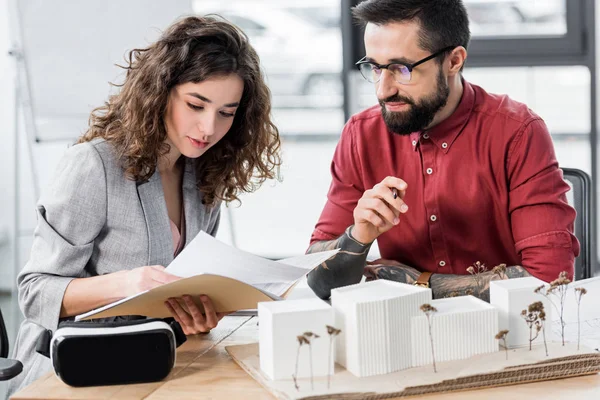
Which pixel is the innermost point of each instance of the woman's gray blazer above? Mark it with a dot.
(93, 220)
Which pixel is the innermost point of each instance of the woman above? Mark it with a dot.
(189, 128)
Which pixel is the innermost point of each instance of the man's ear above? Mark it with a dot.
(456, 60)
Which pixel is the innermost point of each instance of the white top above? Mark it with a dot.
(529, 282)
(301, 305)
(460, 305)
(376, 290)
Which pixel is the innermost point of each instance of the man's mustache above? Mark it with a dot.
(397, 99)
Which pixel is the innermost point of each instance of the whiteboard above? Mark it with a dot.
(70, 48)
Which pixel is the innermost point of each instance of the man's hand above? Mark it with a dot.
(378, 211)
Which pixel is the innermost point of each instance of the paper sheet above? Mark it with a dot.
(206, 254)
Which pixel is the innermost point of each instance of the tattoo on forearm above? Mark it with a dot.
(348, 266)
(452, 285)
(324, 246)
(398, 273)
(344, 268)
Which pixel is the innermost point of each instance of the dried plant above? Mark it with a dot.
(558, 289)
(500, 271)
(429, 310)
(502, 336)
(469, 292)
(301, 340)
(476, 270)
(305, 338)
(308, 336)
(542, 317)
(532, 318)
(453, 294)
(579, 292)
(332, 332)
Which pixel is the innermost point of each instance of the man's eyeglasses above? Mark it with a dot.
(401, 71)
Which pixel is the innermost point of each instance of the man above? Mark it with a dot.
(441, 173)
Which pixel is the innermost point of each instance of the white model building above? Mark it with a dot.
(511, 297)
(375, 321)
(462, 327)
(281, 322)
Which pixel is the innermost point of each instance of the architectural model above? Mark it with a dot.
(374, 318)
(462, 327)
(511, 297)
(281, 323)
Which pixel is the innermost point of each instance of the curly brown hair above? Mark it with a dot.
(192, 50)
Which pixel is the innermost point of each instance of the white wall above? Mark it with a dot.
(6, 149)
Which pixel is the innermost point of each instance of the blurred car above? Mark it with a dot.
(300, 47)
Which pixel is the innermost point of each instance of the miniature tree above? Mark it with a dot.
(305, 338)
(502, 336)
(332, 332)
(579, 292)
(558, 288)
(476, 270)
(429, 310)
(500, 271)
(301, 340)
(532, 318)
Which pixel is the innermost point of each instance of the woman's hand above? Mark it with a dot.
(194, 321)
(145, 278)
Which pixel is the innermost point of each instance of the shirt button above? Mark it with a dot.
(425, 136)
(414, 142)
(445, 145)
(429, 171)
(433, 218)
(442, 263)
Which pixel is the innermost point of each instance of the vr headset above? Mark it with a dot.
(90, 353)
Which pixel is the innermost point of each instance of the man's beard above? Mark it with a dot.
(420, 114)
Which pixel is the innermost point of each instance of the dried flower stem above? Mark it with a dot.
(312, 383)
(301, 341)
(558, 288)
(542, 317)
(307, 337)
(579, 292)
(500, 271)
(502, 336)
(476, 270)
(544, 335)
(428, 309)
(332, 332)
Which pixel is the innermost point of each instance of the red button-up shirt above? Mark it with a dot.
(483, 185)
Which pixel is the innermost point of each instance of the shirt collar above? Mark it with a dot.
(446, 132)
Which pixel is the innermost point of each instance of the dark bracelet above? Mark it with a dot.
(349, 243)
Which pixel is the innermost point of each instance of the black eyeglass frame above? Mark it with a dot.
(409, 66)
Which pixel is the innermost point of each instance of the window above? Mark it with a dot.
(499, 18)
(300, 48)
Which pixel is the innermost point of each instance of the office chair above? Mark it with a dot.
(581, 200)
(8, 368)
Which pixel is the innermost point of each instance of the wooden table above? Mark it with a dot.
(204, 370)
